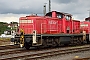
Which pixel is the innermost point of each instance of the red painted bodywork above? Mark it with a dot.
(76, 26)
(85, 26)
(49, 24)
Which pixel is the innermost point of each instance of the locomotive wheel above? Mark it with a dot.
(26, 45)
(54, 44)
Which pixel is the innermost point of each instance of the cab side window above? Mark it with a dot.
(59, 16)
(67, 17)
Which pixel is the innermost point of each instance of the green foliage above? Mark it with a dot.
(3, 27)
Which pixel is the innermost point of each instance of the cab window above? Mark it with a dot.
(67, 17)
(59, 16)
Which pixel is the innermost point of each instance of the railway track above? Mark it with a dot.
(35, 54)
(5, 47)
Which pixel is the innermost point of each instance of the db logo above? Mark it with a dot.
(52, 22)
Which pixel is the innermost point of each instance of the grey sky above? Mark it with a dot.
(78, 8)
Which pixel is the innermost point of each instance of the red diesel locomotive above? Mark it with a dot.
(53, 29)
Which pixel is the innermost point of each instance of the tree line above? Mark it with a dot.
(4, 26)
